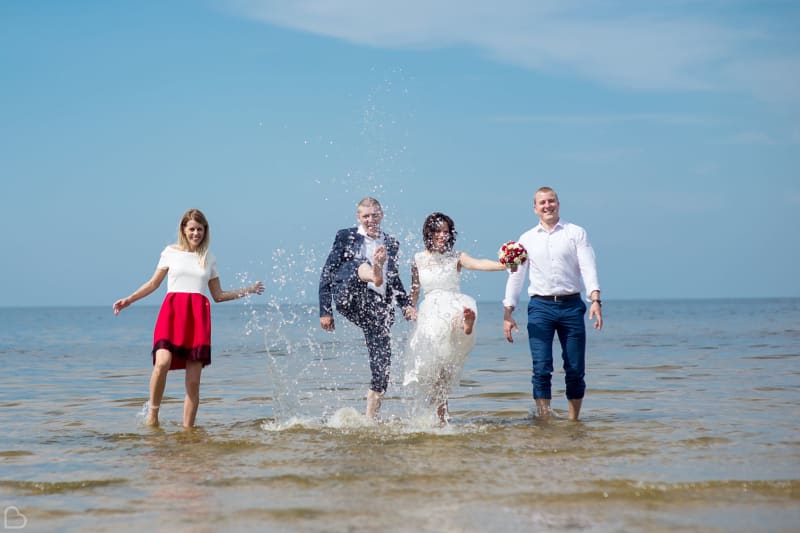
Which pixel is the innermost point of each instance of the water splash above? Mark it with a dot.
(348, 417)
(141, 416)
(332, 368)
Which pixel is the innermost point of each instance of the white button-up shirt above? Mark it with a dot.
(368, 250)
(560, 261)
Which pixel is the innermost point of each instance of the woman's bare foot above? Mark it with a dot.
(469, 320)
(442, 412)
(152, 416)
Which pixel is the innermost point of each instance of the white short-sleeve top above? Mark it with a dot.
(185, 273)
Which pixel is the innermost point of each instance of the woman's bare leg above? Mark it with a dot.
(441, 393)
(158, 382)
(192, 401)
(442, 412)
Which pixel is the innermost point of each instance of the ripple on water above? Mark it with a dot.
(58, 487)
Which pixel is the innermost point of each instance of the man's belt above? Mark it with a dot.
(559, 297)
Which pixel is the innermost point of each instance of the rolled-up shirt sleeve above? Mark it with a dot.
(514, 285)
(587, 264)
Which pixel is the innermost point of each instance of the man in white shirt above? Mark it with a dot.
(560, 265)
(361, 278)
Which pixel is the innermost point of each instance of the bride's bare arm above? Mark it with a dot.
(472, 263)
(414, 293)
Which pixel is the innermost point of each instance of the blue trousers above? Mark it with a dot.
(545, 320)
(374, 315)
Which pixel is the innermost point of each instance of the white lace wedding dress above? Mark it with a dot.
(438, 346)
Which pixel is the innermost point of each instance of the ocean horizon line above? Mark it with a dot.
(673, 299)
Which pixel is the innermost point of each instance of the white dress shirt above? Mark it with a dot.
(368, 250)
(560, 262)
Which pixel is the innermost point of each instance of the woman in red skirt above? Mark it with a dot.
(182, 337)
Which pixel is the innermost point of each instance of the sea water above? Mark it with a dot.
(690, 423)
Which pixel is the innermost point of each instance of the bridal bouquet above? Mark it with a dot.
(512, 254)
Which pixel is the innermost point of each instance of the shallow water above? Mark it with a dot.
(690, 423)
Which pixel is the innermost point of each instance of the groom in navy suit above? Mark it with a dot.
(361, 279)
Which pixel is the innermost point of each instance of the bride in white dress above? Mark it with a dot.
(443, 334)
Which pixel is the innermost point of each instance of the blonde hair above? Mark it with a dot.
(183, 242)
(370, 202)
(545, 189)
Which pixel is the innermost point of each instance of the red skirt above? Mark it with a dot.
(184, 328)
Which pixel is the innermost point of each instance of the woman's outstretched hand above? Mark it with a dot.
(256, 288)
(121, 304)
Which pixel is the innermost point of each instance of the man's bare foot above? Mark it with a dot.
(543, 410)
(371, 274)
(378, 260)
(469, 320)
(373, 404)
(574, 409)
(377, 274)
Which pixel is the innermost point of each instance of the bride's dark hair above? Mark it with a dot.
(433, 223)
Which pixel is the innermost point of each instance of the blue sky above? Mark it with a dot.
(670, 129)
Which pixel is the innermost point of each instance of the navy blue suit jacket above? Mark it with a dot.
(344, 255)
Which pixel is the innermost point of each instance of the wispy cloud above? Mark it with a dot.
(662, 45)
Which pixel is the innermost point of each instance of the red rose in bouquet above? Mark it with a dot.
(512, 254)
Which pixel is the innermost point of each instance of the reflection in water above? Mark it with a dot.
(179, 467)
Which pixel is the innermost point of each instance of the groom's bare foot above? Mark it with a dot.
(371, 273)
(377, 274)
(378, 260)
(469, 320)
(373, 404)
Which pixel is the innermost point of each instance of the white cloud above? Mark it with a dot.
(649, 45)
